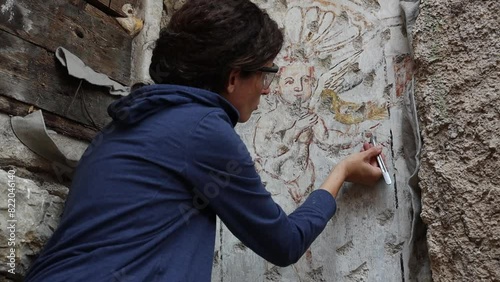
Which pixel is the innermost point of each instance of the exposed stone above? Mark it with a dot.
(456, 47)
(33, 212)
(143, 44)
(170, 7)
(39, 198)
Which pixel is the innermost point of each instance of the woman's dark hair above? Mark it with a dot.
(206, 39)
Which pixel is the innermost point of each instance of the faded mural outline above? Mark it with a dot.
(308, 95)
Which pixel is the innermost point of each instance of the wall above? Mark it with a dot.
(456, 48)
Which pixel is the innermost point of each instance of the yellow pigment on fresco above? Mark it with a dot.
(354, 113)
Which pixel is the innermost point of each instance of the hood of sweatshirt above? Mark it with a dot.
(151, 99)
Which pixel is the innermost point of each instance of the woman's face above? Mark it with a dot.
(296, 82)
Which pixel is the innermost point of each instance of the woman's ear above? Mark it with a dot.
(232, 81)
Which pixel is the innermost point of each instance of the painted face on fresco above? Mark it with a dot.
(296, 82)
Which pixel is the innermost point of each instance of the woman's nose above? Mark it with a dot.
(266, 91)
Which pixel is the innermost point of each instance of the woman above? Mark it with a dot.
(144, 199)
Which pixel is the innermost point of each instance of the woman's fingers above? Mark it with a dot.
(373, 152)
(373, 159)
(373, 156)
(366, 146)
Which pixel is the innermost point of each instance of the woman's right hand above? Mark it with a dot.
(362, 168)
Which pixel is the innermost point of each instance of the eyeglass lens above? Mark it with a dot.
(268, 78)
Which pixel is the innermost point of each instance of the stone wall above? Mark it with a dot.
(457, 86)
(38, 197)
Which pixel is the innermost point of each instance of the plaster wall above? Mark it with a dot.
(457, 87)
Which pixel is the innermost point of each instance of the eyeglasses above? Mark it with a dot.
(269, 74)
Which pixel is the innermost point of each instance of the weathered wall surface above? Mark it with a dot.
(36, 194)
(456, 48)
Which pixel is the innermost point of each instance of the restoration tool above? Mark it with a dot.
(381, 164)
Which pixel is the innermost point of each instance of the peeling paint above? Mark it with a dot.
(345, 248)
(384, 217)
(360, 274)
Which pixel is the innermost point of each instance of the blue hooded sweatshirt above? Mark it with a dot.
(146, 193)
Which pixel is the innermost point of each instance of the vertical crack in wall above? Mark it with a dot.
(393, 156)
(221, 233)
(401, 263)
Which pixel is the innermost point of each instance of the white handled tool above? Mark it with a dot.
(381, 164)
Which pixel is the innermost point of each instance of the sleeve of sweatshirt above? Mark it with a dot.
(221, 169)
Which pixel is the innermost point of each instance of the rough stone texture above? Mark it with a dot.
(143, 43)
(456, 47)
(39, 198)
(36, 216)
(170, 7)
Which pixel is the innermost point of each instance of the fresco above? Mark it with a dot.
(320, 71)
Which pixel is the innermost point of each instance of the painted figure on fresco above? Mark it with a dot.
(289, 132)
(308, 96)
